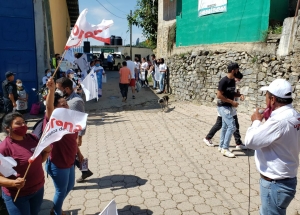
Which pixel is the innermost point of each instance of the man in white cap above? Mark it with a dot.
(277, 145)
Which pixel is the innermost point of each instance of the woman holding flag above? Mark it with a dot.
(60, 164)
(20, 145)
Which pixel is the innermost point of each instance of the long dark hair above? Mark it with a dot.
(57, 97)
(8, 119)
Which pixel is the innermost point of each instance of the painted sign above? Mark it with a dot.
(206, 7)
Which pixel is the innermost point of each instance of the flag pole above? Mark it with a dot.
(24, 179)
(30, 162)
(63, 55)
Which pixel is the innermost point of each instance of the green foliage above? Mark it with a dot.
(276, 29)
(254, 59)
(146, 16)
(172, 37)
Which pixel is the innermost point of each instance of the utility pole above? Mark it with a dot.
(131, 35)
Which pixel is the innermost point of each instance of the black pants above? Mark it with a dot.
(123, 89)
(218, 125)
(146, 80)
(110, 65)
(8, 106)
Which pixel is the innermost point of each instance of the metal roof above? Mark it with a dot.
(73, 9)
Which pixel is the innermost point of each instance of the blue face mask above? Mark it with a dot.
(75, 78)
(97, 65)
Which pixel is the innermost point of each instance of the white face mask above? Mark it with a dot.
(71, 75)
(19, 85)
(48, 74)
(78, 73)
(61, 93)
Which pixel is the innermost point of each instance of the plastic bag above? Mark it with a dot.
(35, 109)
(104, 79)
(138, 86)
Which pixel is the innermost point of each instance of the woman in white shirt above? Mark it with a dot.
(163, 70)
(144, 72)
(137, 66)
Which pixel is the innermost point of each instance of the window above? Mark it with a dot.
(169, 9)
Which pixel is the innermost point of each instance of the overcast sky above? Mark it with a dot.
(117, 11)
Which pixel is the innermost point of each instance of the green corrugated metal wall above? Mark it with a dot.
(244, 21)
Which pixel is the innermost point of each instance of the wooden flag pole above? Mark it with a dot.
(44, 132)
(63, 55)
(24, 179)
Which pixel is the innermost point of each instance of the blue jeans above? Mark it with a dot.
(276, 195)
(64, 180)
(153, 80)
(228, 126)
(25, 205)
(161, 81)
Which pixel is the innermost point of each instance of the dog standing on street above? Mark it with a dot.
(164, 101)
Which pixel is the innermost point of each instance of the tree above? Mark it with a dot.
(146, 17)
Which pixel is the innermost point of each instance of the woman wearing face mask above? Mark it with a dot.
(47, 75)
(20, 146)
(99, 72)
(60, 164)
(23, 97)
(70, 75)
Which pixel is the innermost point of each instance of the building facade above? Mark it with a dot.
(234, 21)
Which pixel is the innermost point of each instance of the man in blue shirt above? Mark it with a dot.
(110, 60)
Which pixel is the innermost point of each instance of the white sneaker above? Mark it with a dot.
(220, 149)
(241, 146)
(208, 142)
(227, 153)
(158, 90)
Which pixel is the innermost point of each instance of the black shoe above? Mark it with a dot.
(133, 97)
(85, 174)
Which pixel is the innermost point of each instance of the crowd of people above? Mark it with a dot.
(276, 142)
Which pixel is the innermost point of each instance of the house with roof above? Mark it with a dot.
(206, 22)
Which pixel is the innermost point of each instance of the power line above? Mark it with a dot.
(109, 11)
(115, 7)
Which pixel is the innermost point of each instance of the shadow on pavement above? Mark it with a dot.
(134, 210)
(47, 206)
(115, 182)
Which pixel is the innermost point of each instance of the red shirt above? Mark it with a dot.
(64, 151)
(21, 151)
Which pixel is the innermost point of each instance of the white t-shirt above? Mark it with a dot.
(162, 67)
(137, 65)
(144, 66)
(131, 67)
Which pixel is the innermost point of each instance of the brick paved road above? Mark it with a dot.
(152, 162)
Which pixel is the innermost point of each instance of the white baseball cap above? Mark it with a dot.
(280, 88)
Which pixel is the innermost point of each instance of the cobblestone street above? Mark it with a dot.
(154, 162)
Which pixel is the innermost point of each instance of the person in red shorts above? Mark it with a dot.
(133, 71)
(60, 164)
(20, 145)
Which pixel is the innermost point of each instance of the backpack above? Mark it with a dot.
(37, 129)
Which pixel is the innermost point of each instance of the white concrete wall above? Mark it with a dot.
(42, 51)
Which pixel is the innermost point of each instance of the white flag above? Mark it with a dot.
(82, 29)
(6, 166)
(62, 121)
(110, 209)
(90, 86)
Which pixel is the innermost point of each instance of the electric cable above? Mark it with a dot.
(109, 11)
(116, 7)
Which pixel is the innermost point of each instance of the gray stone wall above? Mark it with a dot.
(194, 76)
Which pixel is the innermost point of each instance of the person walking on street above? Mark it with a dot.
(218, 125)
(226, 94)
(125, 78)
(99, 73)
(75, 102)
(10, 94)
(133, 71)
(277, 146)
(110, 60)
(144, 72)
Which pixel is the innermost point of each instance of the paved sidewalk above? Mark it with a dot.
(154, 162)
